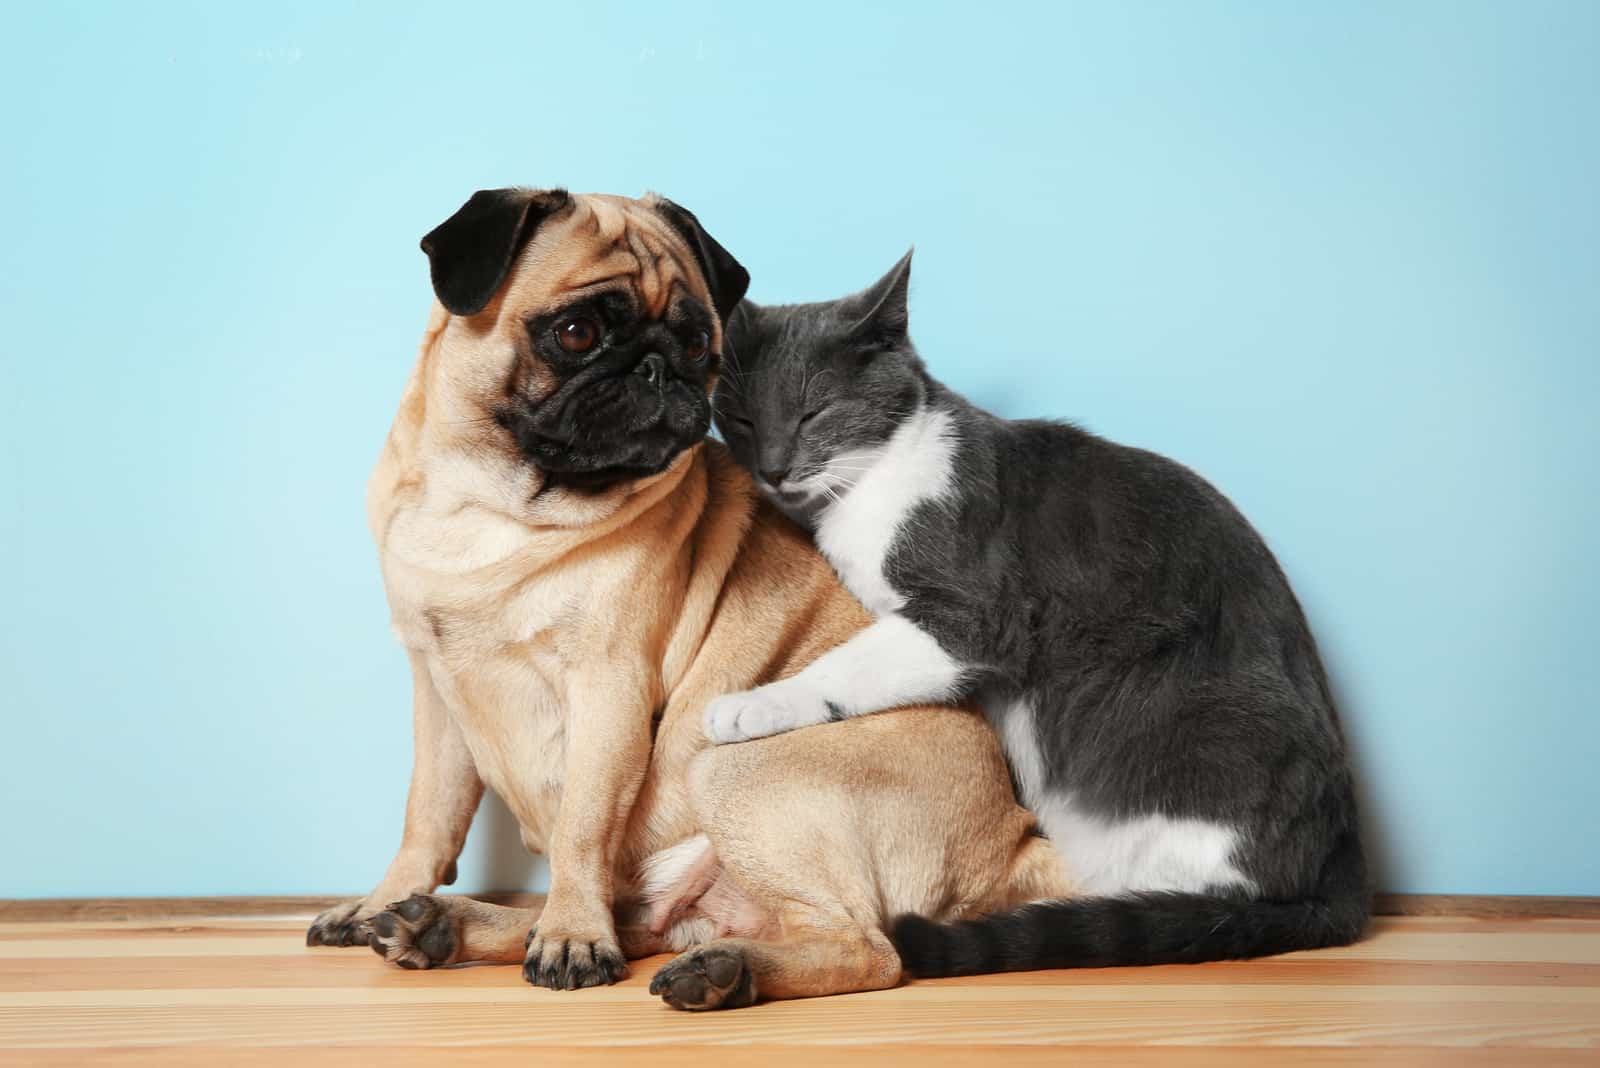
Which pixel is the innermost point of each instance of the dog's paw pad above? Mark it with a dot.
(416, 933)
(707, 977)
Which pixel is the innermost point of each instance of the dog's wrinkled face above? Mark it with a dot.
(595, 326)
(618, 388)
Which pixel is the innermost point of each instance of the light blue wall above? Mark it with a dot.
(1339, 258)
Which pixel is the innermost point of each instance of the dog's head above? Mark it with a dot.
(592, 327)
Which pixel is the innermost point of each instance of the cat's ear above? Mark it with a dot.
(878, 314)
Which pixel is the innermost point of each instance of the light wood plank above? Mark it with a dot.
(352, 969)
(1420, 990)
(843, 1022)
(694, 1055)
(922, 993)
(1388, 942)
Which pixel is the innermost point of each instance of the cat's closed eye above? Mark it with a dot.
(804, 419)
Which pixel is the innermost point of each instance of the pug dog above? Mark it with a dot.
(575, 571)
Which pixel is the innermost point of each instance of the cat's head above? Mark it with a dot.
(808, 390)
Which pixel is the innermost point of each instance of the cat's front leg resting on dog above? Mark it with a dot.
(891, 663)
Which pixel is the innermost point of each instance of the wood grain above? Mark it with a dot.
(762, 1054)
(238, 987)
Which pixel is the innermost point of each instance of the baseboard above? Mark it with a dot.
(1488, 906)
(149, 909)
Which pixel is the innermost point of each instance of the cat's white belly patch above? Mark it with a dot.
(886, 483)
(1116, 856)
(1143, 853)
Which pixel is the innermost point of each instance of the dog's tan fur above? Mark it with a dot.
(563, 646)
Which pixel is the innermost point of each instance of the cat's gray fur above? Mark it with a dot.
(1134, 641)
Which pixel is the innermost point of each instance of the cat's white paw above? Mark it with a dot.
(766, 710)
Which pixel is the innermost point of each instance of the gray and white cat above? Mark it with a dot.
(1134, 642)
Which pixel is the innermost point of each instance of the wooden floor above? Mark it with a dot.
(1420, 990)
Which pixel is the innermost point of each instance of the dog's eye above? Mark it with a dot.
(698, 347)
(577, 335)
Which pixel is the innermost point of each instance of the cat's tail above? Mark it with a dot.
(1141, 928)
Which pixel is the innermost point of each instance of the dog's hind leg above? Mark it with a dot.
(810, 961)
(824, 833)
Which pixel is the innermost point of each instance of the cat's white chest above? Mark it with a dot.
(857, 531)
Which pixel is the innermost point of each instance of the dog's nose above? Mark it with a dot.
(653, 367)
(774, 476)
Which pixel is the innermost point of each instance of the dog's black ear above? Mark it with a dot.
(470, 252)
(726, 279)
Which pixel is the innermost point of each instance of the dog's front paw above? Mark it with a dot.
(572, 961)
(342, 925)
(714, 976)
(764, 711)
(419, 932)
